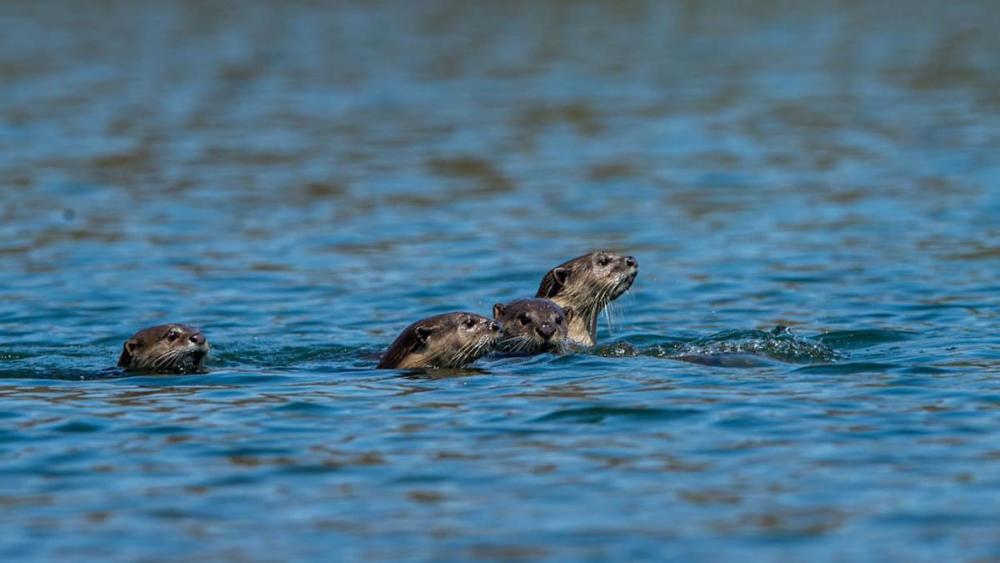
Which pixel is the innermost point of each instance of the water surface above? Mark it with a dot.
(302, 181)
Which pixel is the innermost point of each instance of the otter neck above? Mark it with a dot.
(582, 327)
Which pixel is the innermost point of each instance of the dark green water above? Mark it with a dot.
(303, 180)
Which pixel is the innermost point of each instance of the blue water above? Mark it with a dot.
(303, 181)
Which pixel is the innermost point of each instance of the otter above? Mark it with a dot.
(531, 326)
(586, 284)
(169, 348)
(451, 340)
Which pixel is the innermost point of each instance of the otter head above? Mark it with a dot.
(532, 326)
(170, 348)
(587, 284)
(451, 340)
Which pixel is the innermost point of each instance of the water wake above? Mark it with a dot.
(735, 348)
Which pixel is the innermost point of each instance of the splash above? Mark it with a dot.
(749, 348)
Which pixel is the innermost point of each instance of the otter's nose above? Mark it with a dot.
(494, 326)
(631, 262)
(197, 338)
(546, 330)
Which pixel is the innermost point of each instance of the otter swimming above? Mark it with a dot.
(169, 348)
(586, 285)
(531, 326)
(451, 340)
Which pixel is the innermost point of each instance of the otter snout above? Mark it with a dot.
(631, 262)
(197, 339)
(493, 326)
(546, 330)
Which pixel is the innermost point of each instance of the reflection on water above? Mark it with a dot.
(303, 180)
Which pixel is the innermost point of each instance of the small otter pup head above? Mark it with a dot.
(587, 284)
(532, 326)
(170, 348)
(452, 340)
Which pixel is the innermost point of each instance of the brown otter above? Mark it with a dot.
(531, 326)
(169, 348)
(451, 340)
(586, 284)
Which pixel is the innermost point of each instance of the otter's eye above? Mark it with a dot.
(172, 335)
(603, 260)
(469, 323)
(559, 320)
(524, 318)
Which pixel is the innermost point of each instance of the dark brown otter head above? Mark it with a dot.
(452, 340)
(531, 326)
(587, 284)
(170, 348)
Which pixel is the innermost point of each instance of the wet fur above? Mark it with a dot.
(520, 338)
(441, 341)
(150, 350)
(587, 287)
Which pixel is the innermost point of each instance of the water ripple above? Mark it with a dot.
(301, 185)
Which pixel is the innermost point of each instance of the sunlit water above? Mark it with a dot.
(303, 181)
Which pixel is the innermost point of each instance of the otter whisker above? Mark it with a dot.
(611, 317)
(470, 354)
(524, 344)
(527, 344)
(457, 357)
(165, 361)
(467, 353)
(177, 358)
(470, 351)
(516, 344)
(162, 357)
(482, 346)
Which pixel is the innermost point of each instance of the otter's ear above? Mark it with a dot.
(498, 310)
(423, 333)
(126, 358)
(561, 275)
(553, 282)
(569, 313)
